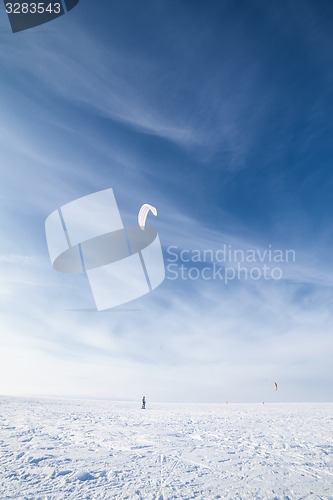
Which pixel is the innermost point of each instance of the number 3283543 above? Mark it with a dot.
(33, 8)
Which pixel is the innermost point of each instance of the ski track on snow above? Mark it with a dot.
(62, 449)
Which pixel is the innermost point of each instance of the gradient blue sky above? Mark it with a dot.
(219, 114)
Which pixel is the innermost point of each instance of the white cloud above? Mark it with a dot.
(201, 341)
(188, 341)
(148, 93)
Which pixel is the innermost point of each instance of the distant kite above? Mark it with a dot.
(276, 386)
(143, 214)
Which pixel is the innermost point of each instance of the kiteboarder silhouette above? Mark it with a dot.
(143, 403)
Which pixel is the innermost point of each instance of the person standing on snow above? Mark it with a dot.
(143, 403)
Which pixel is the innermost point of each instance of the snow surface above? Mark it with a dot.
(58, 449)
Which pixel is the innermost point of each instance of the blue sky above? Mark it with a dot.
(220, 115)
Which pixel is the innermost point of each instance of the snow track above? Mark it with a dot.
(59, 449)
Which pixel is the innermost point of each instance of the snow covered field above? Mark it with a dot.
(58, 449)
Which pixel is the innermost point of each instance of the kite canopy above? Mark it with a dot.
(143, 214)
(276, 386)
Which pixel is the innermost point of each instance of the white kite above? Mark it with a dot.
(143, 214)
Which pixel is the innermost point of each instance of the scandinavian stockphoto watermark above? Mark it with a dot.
(121, 263)
(227, 264)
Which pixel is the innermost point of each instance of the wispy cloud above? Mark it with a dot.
(149, 93)
(242, 335)
(75, 117)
